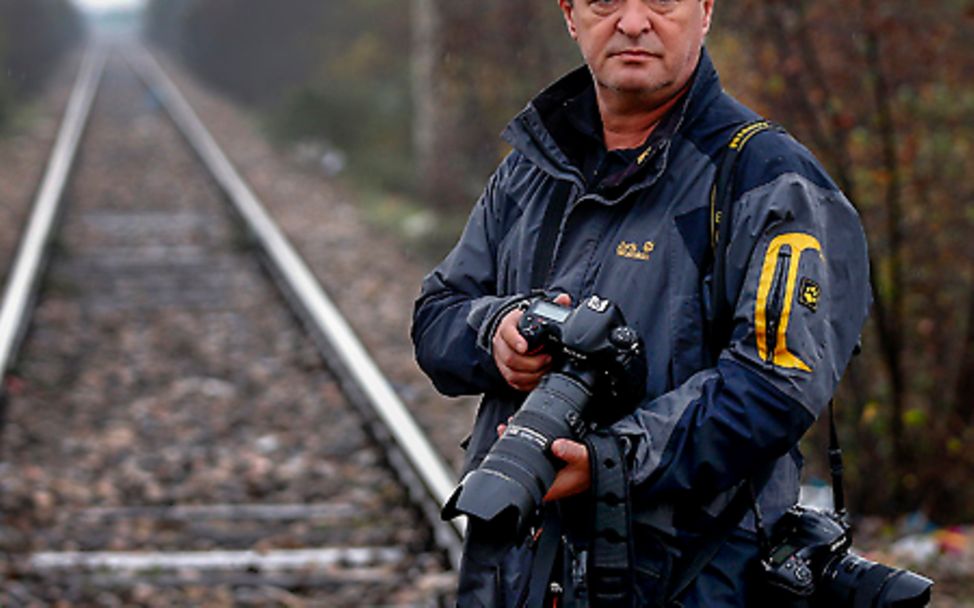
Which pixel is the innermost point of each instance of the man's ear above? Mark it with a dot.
(567, 9)
(708, 11)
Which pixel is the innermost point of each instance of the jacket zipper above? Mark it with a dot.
(777, 301)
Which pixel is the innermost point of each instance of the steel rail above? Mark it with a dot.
(31, 254)
(218, 560)
(425, 473)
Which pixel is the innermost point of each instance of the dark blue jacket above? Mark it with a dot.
(796, 274)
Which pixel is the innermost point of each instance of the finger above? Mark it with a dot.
(500, 429)
(523, 382)
(535, 364)
(563, 299)
(505, 353)
(519, 364)
(568, 482)
(574, 477)
(519, 380)
(508, 332)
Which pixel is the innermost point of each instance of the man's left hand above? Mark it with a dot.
(575, 476)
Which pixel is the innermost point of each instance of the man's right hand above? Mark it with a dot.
(521, 369)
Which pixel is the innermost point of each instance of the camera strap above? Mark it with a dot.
(545, 555)
(835, 465)
(718, 336)
(550, 535)
(699, 556)
(721, 223)
(550, 225)
(609, 568)
(838, 492)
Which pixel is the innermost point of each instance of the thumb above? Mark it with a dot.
(563, 299)
(569, 451)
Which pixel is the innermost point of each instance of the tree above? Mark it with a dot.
(888, 111)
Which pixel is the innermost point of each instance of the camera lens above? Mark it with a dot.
(513, 478)
(851, 580)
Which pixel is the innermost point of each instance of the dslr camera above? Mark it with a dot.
(598, 375)
(808, 565)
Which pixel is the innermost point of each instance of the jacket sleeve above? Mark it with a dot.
(797, 275)
(459, 306)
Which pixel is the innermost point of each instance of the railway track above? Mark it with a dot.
(173, 434)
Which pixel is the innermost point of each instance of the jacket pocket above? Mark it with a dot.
(652, 567)
(776, 302)
(690, 352)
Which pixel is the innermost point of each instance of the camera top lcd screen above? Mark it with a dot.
(782, 553)
(556, 313)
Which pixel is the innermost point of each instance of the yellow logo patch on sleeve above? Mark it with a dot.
(809, 293)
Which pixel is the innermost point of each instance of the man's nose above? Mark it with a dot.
(634, 21)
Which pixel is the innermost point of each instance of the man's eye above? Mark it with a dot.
(663, 5)
(604, 5)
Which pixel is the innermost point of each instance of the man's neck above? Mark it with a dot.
(627, 123)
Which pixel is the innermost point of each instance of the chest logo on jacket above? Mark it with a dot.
(633, 251)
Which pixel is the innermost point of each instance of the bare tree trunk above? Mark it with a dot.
(894, 344)
(426, 24)
(964, 391)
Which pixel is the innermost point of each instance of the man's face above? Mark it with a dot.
(646, 48)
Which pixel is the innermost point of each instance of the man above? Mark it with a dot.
(638, 134)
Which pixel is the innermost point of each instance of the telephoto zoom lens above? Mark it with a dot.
(510, 483)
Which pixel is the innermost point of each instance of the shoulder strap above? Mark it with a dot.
(545, 553)
(687, 570)
(721, 217)
(721, 222)
(549, 541)
(550, 224)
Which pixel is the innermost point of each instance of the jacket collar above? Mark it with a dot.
(538, 131)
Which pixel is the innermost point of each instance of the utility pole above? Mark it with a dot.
(425, 49)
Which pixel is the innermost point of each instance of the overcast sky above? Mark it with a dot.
(108, 4)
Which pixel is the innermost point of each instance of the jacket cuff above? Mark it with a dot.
(485, 316)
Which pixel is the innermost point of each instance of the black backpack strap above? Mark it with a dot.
(550, 224)
(721, 222)
(609, 568)
(700, 555)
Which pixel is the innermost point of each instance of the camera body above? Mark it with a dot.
(598, 375)
(806, 541)
(593, 343)
(808, 565)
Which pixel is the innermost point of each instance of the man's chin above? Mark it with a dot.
(639, 86)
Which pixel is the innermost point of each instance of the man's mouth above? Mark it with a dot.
(633, 54)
